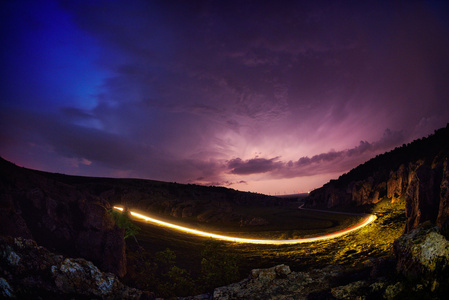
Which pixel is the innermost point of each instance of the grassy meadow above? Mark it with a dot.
(353, 249)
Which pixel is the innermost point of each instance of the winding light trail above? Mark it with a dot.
(368, 219)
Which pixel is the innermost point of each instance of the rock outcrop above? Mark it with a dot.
(443, 210)
(422, 194)
(59, 217)
(397, 183)
(331, 282)
(28, 271)
(279, 282)
(417, 172)
(420, 269)
(423, 255)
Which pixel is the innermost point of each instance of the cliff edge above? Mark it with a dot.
(417, 172)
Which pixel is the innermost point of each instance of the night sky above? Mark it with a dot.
(275, 97)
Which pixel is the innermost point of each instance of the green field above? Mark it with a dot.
(352, 249)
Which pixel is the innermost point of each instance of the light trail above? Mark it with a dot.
(140, 217)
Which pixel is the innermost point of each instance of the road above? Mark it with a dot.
(142, 218)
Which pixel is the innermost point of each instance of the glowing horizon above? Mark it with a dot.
(140, 217)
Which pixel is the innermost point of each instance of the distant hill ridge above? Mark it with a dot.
(417, 172)
(69, 214)
(202, 203)
(25, 195)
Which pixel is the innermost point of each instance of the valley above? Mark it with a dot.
(72, 217)
(353, 249)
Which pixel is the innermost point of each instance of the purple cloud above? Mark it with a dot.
(253, 166)
(225, 91)
(329, 162)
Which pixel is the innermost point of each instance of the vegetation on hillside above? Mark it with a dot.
(123, 221)
(203, 264)
(433, 148)
(160, 273)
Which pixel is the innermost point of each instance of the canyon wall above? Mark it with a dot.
(423, 186)
(417, 173)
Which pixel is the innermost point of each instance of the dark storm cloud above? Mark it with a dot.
(220, 90)
(227, 58)
(109, 151)
(253, 166)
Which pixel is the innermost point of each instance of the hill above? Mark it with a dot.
(69, 214)
(208, 204)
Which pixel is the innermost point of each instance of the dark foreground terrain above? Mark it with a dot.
(59, 239)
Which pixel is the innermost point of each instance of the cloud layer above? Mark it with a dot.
(219, 92)
(331, 162)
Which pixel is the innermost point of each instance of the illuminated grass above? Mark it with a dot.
(374, 240)
(239, 239)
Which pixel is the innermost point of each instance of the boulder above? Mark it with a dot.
(393, 291)
(352, 290)
(30, 270)
(280, 271)
(423, 255)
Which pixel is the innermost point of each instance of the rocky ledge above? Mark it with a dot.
(32, 272)
(420, 268)
(423, 256)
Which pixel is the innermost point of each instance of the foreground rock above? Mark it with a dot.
(422, 270)
(28, 271)
(423, 256)
(280, 283)
(332, 282)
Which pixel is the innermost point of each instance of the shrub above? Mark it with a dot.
(217, 267)
(123, 221)
(172, 280)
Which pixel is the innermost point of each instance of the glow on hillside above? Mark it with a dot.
(143, 218)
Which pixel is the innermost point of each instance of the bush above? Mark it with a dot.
(172, 280)
(123, 220)
(217, 267)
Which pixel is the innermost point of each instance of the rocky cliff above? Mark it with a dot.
(60, 217)
(417, 172)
